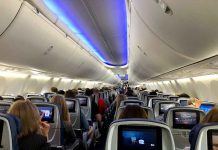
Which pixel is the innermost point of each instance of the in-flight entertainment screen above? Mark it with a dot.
(139, 138)
(185, 119)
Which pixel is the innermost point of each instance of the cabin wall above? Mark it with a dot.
(203, 87)
(28, 84)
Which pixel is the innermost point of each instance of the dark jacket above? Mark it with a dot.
(33, 142)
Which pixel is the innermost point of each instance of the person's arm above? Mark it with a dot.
(45, 129)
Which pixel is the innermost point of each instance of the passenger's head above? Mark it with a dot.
(1, 98)
(54, 89)
(212, 116)
(183, 95)
(19, 97)
(118, 100)
(70, 94)
(61, 92)
(133, 111)
(88, 92)
(29, 116)
(60, 101)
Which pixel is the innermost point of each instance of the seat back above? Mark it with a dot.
(9, 127)
(181, 120)
(51, 114)
(183, 101)
(31, 94)
(48, 95)
(148, 110)
(132, 102)
(74, 110)
(154, 100)
(162, 106)
(206, 137)
(139, 134)
(173, 98)
(206, 106)
(85, 105)
(37, 99)
(147, 99)
(133, 98)
(4, 106)
(8, 98)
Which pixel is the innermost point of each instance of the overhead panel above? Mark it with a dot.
(101, 26)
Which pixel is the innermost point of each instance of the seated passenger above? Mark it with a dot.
(19, 97)
(212, 116)
(33, 134)
(69, 134)
(133, 111)
(61, 92)
(54, 89)
(111, 111)
(183, 95)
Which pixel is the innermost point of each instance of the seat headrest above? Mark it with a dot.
(139, 134)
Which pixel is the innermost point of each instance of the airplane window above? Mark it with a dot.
(139, 137)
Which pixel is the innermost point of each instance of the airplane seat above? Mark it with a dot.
(205, 137)
(9, 128)
(183, 101)
(52, 116)
(131, 102)
(8, 98)
(173, 98)
(154, 100)
(85, 105)
(133, 98)
(161, 107)
(75, 117)
(147, 99)
(181, 120)
(37, 99)
(48, 95)
(139, 134)
(148, 110)
(4, 106)
(31, 94)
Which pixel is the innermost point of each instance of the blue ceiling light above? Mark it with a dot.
(58, 9)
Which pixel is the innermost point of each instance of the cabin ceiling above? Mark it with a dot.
(158, 43)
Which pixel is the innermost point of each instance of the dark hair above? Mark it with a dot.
(183, 95)
(1, 98)
(133, 111)
(88, 92)
(54, 89)
(61, 92)
(70, 94)
(19, 97)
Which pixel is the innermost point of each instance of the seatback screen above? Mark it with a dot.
(4, 108)
(83, 101)
(163, 107)
(212, 136)
(139, 138)
(185, 119)
(47, 113)
(183, 102)
(71, 106)
(206, 107)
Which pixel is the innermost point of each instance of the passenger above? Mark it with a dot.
(133, 111)
(54, 89)
(19, 97)
(129, 92)
(111, 111)
(212, 116)
(70, 94)
(33, 134)
(183, 95)
(94, 106)
(61, 92)
(69, 134)
(1, 98)
(153, 93)
(194, 102)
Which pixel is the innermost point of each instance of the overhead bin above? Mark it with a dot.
(8, 11)
(32, 41)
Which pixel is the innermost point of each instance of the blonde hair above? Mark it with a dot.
(212, 116)
(29, 116)
(59, 100)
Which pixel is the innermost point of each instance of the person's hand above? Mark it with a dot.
(44, 128)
